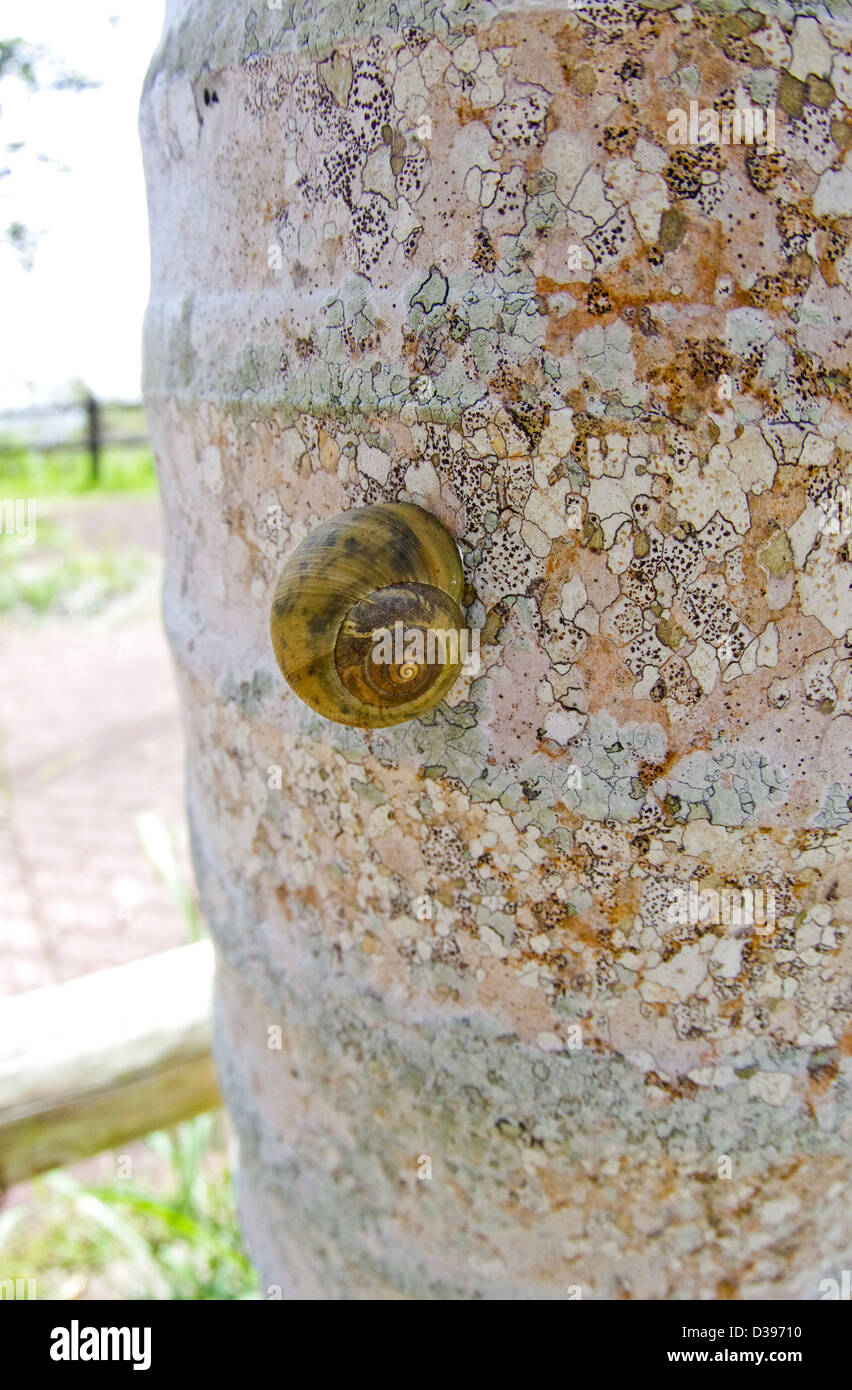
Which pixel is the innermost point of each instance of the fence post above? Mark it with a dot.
(93, 411)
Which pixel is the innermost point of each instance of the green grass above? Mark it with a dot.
(67, 472)
(56, 577)
(173, 1236)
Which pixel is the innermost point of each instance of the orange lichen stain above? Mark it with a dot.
(696, 276)
(821, 1076)
(844, 1042)
(610, 685)
(309, 896)
(560, 1189)
(466, 112)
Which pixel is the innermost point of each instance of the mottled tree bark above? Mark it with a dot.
(452, 256)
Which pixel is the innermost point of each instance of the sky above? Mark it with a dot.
(78, 185)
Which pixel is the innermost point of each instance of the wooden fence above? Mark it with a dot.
(91, 432)
(99, 1061)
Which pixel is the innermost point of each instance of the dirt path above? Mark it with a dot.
(89, 739)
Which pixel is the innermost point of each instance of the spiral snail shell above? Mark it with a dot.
(357, 575)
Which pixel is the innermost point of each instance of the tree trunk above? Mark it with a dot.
(548, 993)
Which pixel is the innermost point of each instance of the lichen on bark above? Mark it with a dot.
(450, 256)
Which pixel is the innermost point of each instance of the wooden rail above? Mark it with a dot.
(99, 1061)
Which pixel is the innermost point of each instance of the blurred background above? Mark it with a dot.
(93, 846)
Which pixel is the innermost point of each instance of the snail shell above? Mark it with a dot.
(356, 574)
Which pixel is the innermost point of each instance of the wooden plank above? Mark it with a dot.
(101, 1060)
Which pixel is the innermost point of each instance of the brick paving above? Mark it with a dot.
(90, 737)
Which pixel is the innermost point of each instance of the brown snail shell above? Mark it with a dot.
(355, 575)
